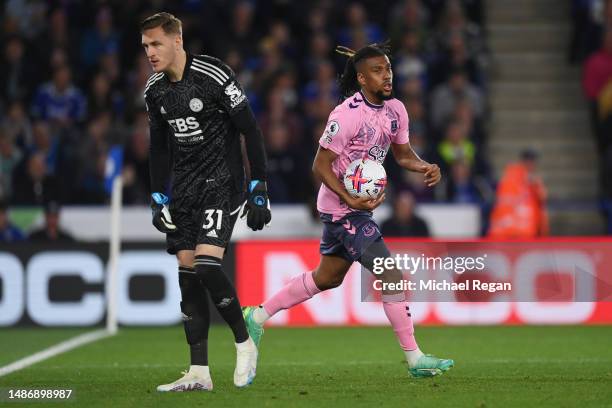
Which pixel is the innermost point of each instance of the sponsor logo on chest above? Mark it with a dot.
(186, 129)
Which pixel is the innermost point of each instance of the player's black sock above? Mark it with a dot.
(222, 293)
(199, 353)
(196, 315)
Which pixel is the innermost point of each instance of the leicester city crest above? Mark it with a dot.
(196, 104)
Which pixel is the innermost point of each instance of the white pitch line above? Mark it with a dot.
(59, 348)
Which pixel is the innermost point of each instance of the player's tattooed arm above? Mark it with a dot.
(408, 159)
(322, 168)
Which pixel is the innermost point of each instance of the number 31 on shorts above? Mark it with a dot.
(209, 219)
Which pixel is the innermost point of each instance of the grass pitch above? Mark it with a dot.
(319, 367)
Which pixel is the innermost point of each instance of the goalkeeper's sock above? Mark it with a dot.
(299, 289)
(199, 353)
(222, 293)
(400, 318)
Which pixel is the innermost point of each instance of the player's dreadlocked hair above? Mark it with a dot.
(348, 80)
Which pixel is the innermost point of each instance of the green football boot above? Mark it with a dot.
(255, 330)
(430, 366)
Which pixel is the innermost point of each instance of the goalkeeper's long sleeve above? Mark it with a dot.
(245, 121)
(159, 151)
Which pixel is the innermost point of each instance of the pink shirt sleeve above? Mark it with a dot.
(402, 136)
(338, 131)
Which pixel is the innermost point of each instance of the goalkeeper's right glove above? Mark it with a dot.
(161, 214)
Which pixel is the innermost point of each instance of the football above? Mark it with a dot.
(365, 178)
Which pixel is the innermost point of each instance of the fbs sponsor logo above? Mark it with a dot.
(184, 124)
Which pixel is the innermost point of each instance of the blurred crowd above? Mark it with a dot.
(592, 47)
(73, 75)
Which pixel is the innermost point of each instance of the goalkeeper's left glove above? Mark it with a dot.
(257, 207)
(161, 214)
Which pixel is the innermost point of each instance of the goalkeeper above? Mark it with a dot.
(197, 111)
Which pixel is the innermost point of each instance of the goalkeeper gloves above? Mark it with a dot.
(161, 214)
(257, 207)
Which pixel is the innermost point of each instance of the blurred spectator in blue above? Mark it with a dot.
(286, 170)
(10, 157)
(241, 34)
(417, 123)
(404, 222)
(319, 20)
(8, 231)
(45, 143)
(446, 96)
(100, 40)
(245, 75)
(102, 98)
(57, 42)
(410, 61)
(322, 87)
(276, 111)
(59, 100)
(320, 51)
(455, 56)
(412, 88)
(409, 16)
(25, 16)
(268, 66)
(109, 64)
(135, 83)
(93, 160)
(51, 231)
(18, 71)
(473, 9)
(136, 162)
(462, 187)
(284, 82)
(280, 33)
(358, 31)
(32, 185)
(17, 126)
(454, 22)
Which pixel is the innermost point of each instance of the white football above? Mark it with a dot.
(365, 178)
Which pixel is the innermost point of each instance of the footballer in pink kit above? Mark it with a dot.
(365, 125)
(359, 129)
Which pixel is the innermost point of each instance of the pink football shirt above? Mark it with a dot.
(357, 129)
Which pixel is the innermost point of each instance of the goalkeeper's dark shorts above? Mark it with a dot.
(209, 221)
